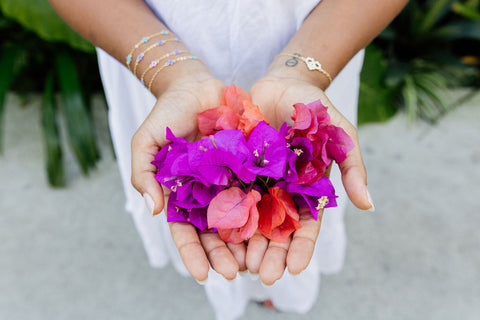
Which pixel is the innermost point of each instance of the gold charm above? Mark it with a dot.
(312, 64)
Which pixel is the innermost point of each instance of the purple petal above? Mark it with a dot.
(290, 170)
(309, 196)
(269, 150)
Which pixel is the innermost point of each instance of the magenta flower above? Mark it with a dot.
(195, 216)
(318, 195)
(268, 151)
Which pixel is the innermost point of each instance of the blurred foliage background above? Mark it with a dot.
(432, 46)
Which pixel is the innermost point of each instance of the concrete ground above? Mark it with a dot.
(73, 253)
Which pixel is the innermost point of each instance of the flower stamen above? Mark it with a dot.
(322, 202)
(298, 152)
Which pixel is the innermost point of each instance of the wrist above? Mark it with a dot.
(185, 71)
(288, 67)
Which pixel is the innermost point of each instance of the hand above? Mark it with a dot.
(275, 95)
(177, 108)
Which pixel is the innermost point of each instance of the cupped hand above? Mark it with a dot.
(275, 95)
(177, 108)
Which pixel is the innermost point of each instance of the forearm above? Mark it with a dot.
(116, 26)
(335, 31)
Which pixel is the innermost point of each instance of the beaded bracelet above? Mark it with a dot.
(170, 63)
(142, 41)
(155, 62)
(311, 63)
(156, 44)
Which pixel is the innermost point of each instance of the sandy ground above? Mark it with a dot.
(73, 253)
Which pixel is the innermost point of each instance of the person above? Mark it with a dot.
(260, 46)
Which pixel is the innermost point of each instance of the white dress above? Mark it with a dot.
(237, 40)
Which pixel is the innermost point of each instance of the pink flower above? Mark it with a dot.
(325, 143)
(234, 214)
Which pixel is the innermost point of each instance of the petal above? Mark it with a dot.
(278, 215)
(234, 97)
(339, 144)
(238, 235)
(250, 118)
(229, 209)
(302, 117)
(216, 119)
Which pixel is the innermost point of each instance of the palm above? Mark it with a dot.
(275, 97)
(177, 108)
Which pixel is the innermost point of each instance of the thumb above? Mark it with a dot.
(143, 172)
(354, 175)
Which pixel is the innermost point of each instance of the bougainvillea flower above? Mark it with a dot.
(278, 215)
(339, 143)
(236, 112)
(251, 116)
(303, 148)
(290, 174)
(309, 172)
(234, 214)
(317, 196)
(195, 216)
(216, 119)
(217, 157)
(313, 122)
(234, 97)
(268, 148)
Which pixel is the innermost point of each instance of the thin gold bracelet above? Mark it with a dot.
(156, 44)
(139, 43)
(155, 62)
(170, 63)
(311, 63)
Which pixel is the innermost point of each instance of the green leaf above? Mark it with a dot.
(437, 10)
(466, 11)
(51, 136)
(79, 123)
(8, 57)
(459, 30)
(410, 98)
(39, 16)
(375, 101)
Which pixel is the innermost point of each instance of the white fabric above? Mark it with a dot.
(237, 40)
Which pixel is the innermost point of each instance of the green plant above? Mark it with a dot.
(429, 47)
(65, 63)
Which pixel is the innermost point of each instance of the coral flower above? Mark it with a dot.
(278, 215)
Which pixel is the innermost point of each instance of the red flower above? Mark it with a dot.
(278, 215)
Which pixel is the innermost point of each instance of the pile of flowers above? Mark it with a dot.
(245, 175)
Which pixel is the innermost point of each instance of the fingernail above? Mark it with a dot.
(231, 280)
(149, 202)
(202, 282)
(253, 276)
(266, 285)
(243, 273)
(369, 197)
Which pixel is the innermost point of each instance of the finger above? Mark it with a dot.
(239, 252)
(220, 257)
(303, 243)
(190, 248)
(274, 262)
(257, 245)
(143, 172)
